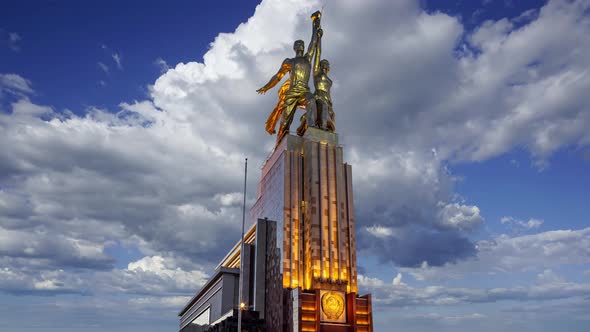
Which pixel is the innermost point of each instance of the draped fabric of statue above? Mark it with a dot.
(273, 118)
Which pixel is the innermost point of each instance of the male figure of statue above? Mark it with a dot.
(295, 92)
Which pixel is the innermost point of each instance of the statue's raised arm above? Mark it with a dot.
(322, 83)
(317, 55)
(316, 23)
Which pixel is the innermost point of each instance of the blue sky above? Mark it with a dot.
(72, 37)
(123, 128)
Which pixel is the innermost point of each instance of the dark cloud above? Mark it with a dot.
(414, 245)
(517, 253)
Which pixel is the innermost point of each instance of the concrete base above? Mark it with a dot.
(322, 136)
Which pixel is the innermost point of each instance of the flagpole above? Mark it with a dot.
(241, 304)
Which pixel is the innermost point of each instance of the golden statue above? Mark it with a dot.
(324, 117)
(294, 93)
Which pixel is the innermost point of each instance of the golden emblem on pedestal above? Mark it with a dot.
(333, 305)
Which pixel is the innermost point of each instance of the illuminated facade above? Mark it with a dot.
(300, 271)
(307, 188)
(306, 185)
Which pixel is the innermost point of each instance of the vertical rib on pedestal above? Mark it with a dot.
(351, 237)
(295, 212)
(287, 222)
(292, 265)
(342, 218)
(312, 180)
(332, 213)
(322, 168)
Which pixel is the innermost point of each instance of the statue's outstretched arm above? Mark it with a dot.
(285, 68)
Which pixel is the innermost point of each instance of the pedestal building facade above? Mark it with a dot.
(307, 188)
(300, 258)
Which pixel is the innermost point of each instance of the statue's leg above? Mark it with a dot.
(331, 121)
(323, 114)
(288, 115)
(311, 112)
(303, 126)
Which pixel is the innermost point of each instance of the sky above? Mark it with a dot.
(124, 127)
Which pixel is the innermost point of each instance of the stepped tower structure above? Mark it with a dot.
(307, 188)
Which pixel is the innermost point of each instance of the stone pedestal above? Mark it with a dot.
(307, 188)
